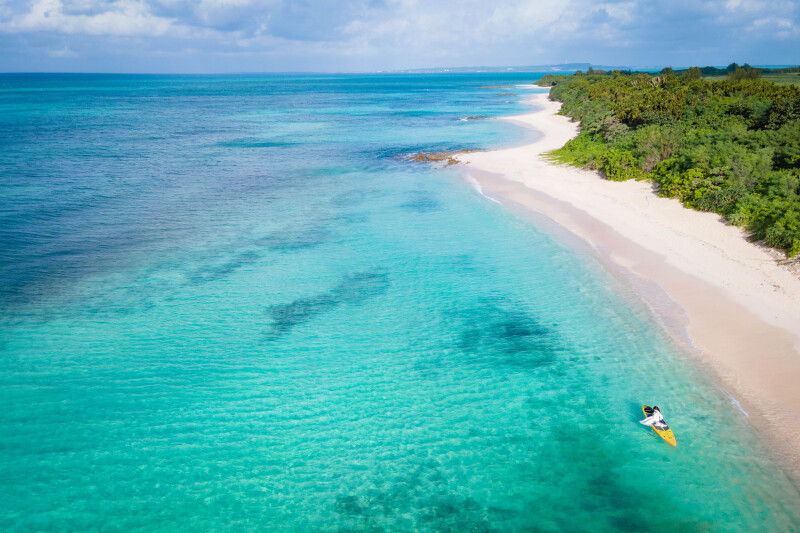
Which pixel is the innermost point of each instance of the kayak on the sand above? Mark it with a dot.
(660, 427)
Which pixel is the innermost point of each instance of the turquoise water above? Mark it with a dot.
(229, 304)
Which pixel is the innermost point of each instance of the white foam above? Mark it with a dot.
(478, 188)
(736, 404)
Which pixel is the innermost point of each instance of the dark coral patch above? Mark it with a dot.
(422, 202)
(213, 273)
(289, 239)
(353, 289)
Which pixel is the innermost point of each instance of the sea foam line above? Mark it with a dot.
(478, 188)
(736, 404)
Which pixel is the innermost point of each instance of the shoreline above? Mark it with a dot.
(725, 300)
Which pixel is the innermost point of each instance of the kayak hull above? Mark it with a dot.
(663, 430)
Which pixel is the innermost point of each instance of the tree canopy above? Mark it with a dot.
(730, 146)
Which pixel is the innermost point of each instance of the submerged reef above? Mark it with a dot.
(448, 158)
(353, 289)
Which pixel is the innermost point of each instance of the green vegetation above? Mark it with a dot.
(790, 75)
(730, 146)
(781, 78)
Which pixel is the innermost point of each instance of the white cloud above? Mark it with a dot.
(62, 52)
(122, 17)
(783, 28)
(622, 12)
(407, 33)
(439, 26)
(747, 6)
(211, 11)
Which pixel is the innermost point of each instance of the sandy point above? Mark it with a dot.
(727, 300)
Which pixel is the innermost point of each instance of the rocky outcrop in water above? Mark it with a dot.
(448, 158)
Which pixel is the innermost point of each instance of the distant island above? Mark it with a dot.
(722, 140)
(569, 68)
(562, 67)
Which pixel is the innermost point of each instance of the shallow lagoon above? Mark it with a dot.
(228, 303)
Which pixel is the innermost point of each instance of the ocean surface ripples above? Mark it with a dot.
(229, 305)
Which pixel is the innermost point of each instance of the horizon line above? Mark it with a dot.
(416, 70)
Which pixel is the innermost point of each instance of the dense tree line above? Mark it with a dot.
(733, 68)
(730, 146)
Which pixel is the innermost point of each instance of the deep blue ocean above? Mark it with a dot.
(229, 304)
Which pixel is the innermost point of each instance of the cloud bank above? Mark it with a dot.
(353, 35)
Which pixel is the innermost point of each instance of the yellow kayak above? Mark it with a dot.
(661, 428)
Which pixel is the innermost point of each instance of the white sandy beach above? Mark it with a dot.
(737, 307)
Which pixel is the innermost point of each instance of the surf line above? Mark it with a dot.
(477, 187)
(736, 403)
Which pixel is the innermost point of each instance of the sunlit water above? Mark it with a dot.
(229, 304)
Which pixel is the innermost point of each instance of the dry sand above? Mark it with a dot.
(725, 299)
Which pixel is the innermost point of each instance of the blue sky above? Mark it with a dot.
(368, 35)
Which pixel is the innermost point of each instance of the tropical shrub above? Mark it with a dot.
(618, 165)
